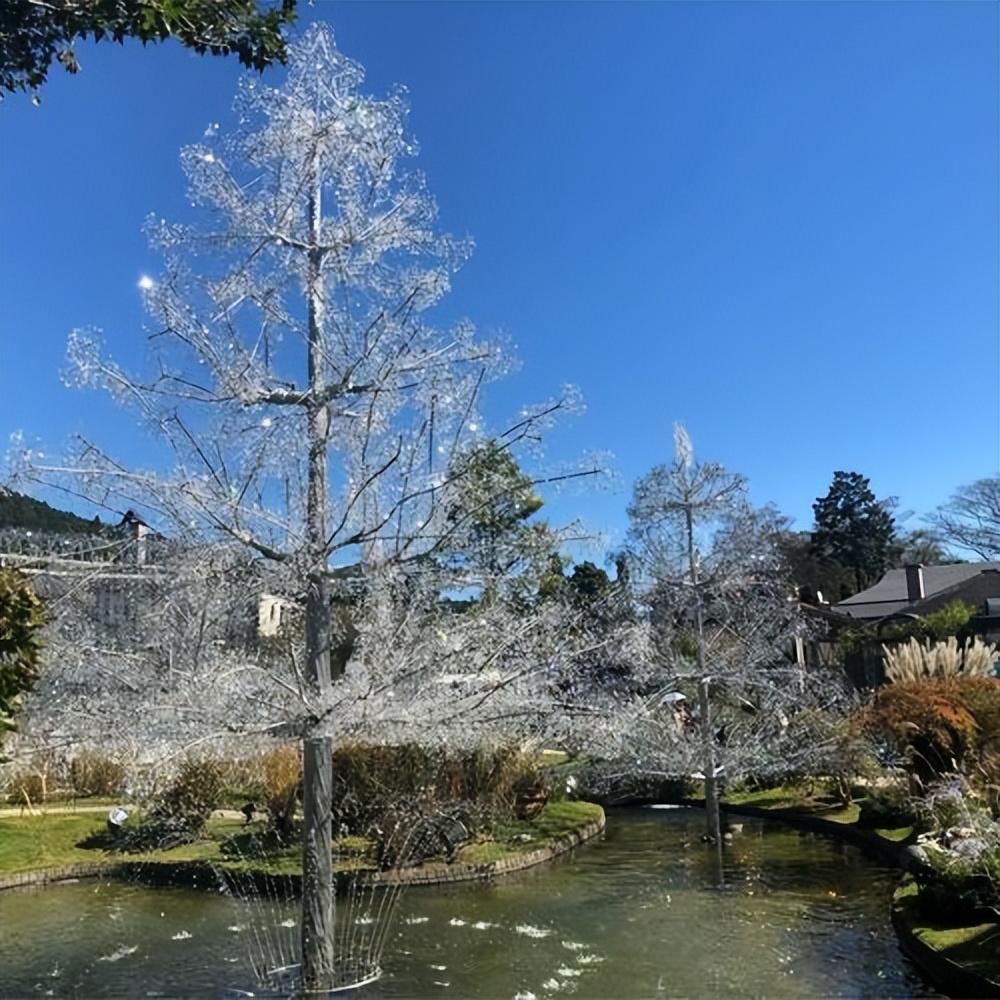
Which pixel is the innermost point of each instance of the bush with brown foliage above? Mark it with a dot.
(940, 725)
(281, 779)
(27, 788)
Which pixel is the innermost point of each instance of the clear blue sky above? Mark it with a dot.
(776, 222)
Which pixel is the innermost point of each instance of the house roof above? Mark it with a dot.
(824, 612)
(889, 595)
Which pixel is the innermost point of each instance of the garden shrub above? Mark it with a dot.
(193, 794)
(242, 776)
(963, 852)
(180, 810)
(960, 888)
(946, 621)
(93, 774)
(368, 779)
(951, 802)
(531, 792)
(411, 830)
(981, 696)
(888, 806)
(848, 754)
(937, 626)
(986, 775)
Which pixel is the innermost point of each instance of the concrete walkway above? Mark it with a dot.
(18, 812)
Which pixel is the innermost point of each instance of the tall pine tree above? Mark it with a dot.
(854, 528)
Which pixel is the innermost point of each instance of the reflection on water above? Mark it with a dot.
(638, 914)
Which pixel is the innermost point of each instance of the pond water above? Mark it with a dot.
(639, 913)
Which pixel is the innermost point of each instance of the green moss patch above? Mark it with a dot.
(799, 799)
(898, 835)
(975, 947)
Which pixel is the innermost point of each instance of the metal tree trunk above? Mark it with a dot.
(713, 819)
(317, 800)
(317, 865)
(317, 764)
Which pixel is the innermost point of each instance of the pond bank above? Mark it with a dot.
(947, 955)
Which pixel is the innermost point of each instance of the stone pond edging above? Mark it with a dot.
(951, 978)
(64, 873)
(193, 873)
(492, 869)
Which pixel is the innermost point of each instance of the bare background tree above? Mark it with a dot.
(970, 520)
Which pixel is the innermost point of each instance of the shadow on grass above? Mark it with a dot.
(265, 843)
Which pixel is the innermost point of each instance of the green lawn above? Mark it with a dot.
(798, 797)
(779, 797)
(557, 819)
(898, 834)
(30, 843)
(46, 841)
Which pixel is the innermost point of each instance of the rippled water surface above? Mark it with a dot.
(638, 914)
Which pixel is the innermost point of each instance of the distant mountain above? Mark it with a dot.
(27, 513)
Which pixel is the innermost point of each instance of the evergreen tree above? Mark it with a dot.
(493, 499)
(27, 513)
(854, 528)
(588, 582)
(492, 540)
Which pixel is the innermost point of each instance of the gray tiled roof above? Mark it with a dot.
(889, 594)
